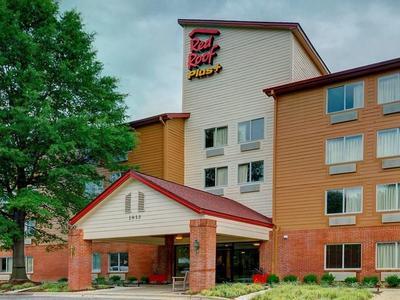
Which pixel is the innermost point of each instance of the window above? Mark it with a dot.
(140, 202)
(118, 262)
(388, 142)
(216, 177)
(216, 137)
(344, 201)
(389, 88)
(344, 149)
(251, 130)
(128, 203)
(115, 176)
(387, 197)
(343, 256)
(251, 172)
(93, 189)
(345, 97)
(5, 264)
(96, 263)
(30, 228)
(121, 158)
(388, 255)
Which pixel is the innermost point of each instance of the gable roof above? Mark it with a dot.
(332, 78)
(158, 118)
(294, 27)
(199, 201)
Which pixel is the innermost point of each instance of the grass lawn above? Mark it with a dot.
(232, 290)
(314, 292)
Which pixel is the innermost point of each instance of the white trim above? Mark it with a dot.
(216, 185)
(119, 262)
(377, 142)
(377, 87)
(343, 190)
(344, 99)
(250, 168)
(397, 197)
(341, 269)
(396, 256)
(344, 137)
(214, 137)
(251, 131)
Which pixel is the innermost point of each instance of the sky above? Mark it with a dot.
(140, 41)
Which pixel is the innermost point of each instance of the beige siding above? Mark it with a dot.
(162, 215)
(302, 67)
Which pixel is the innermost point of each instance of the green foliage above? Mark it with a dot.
(144, 279)
(100, 280)
(115, 279)
(22, 286)
(273, 278)
(232, 290)
(132, 279)
(53, 287)
(290, 278)
(327, 279)
(370, 281)
(350, 280)
(63, 279)
(314, 292)
(6, 286)
(310, 279)
(392, 281)
(60, 118)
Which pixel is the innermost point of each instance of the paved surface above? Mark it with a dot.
(388, 294)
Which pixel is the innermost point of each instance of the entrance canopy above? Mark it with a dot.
(142, 207)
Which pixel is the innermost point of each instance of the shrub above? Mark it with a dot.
(310, 279)
(290, 278)
(144, 279)
(350, 280)
(393, 281)
(100, 280)
(232, 290)
(132, 279)
(273, 279)
(115, 278)
(63, 279)
(327, 278)
(6, 286)
(370, 281)
(53, 287)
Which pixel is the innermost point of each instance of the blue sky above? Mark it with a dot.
(140, 42)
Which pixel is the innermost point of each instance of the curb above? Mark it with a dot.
(252, 295)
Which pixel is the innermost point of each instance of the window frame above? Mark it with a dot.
(96, 270)
(251, 130)
(11, 258)
(397, 197)
(26, 265)
(214, 137)
(119, 263)
(343, 190)
(344, 99)
(343, 268)
(250, 169)
(377, 142)
(344, 136)
(216, 185)
(7, 264)
(397, 243)
(397, 74)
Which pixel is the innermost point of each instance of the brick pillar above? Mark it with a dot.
(169, 245)
(79, 261)
(202, 260)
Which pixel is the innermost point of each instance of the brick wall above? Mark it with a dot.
(303, 251)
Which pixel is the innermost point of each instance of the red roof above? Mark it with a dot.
(199, 201)
(158, 118)
(332, 78)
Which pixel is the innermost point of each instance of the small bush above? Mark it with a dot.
(273, 278)
(144, 279)
(54, 287)
(393, 281)
(310, 279)
(370, 281)
(327, 279)
(132, 279)
(115, 278)
(350, 280)
(6, 286)
(100, 280)
(290, 278)
(63, 279)
(232, 290)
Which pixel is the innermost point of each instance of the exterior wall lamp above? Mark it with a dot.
(196, 246)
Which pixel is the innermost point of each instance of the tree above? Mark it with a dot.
(60, 119)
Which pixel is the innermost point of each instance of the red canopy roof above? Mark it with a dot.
(199, 201)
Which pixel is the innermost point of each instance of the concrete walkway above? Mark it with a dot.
(388, 294)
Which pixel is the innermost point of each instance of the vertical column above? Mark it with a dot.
(203, 245)
(169, 245)
(265, 252)
(79, 261)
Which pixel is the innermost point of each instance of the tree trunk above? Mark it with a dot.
(18, 269)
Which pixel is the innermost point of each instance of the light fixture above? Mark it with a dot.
(179, 237)
(285, 237)
(196, 246)
(256, 244)
(243, 252)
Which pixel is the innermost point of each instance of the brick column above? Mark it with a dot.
(203, 249)
(79, 261)
(169, 245)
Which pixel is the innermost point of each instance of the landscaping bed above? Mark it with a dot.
(232, 290)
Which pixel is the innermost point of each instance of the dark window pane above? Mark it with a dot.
(209, 177)
(336, 99)
(350, 96)
(257, 129)
(352, 256)
(335, 202)
(209, 137)
(257, 171)
(123, 259)
(114, 262)
(334, 256)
